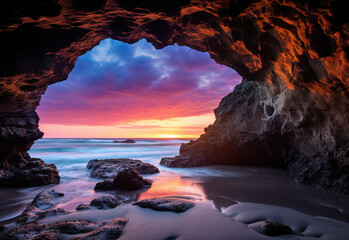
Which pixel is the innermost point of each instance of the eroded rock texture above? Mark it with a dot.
(291, 110)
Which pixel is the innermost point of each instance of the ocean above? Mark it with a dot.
(219, 186)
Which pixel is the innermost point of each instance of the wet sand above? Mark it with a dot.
(220, 194)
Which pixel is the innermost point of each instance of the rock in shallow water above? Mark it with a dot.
(44, 200)
(109, 168)
(106, 185)
(42, 207)
(105, 202)
(129, 179)
(170, 204)
(181, 162)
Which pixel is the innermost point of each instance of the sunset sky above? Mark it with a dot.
(119, 90)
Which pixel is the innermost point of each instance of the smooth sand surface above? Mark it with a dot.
(230, 203)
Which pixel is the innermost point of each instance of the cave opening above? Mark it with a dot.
(120, 90)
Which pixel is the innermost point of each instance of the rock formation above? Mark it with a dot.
(32, 223)
(129, 179)
(291, 110)
(109, 168)
(171, 204)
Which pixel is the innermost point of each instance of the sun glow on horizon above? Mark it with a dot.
(185, 127)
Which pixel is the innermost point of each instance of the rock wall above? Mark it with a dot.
(290, 111)
(294, 129)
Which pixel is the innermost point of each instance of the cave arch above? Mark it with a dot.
(292, 54)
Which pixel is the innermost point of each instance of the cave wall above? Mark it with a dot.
(291, 110)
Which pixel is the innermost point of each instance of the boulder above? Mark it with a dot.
(29, 172)
(42, 207)
(45, 200)
(170, 204)
(104, 202)
(106, 185)
(109, 168)
(129, 179)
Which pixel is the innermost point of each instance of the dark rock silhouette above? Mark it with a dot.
(106, 185)
(271, 228)
(129, 179)
(26, 172)
(125, 141)
(291, 110)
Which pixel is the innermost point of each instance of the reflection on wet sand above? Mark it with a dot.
(173, 185)
(272, 186)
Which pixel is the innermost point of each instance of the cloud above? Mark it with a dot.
(116, 83)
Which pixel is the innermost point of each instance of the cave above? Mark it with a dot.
(290, 111)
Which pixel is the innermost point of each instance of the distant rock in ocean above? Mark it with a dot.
(125, 141)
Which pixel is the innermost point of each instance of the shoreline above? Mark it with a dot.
(231, 185)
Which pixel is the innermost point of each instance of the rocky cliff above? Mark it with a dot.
(291, 110)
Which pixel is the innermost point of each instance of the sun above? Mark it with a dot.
(169, 136)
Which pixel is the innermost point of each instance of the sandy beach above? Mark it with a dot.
(229, 201)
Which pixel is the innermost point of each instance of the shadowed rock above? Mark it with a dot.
(29, 172)
(129, 179)
(105, 202)
(106, 185)
(270, 228)
(109, 168)
(170, 204)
